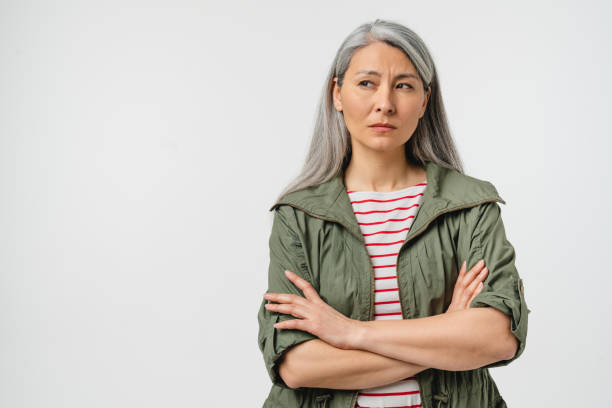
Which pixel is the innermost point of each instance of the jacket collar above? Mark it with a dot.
(447, 190)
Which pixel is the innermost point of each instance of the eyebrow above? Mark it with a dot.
(399, 76)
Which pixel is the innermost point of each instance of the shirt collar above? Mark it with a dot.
(446, 190)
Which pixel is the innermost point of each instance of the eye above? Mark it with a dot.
(365, 80)
(404, 83)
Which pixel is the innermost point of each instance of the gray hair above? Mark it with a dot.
(330, 146)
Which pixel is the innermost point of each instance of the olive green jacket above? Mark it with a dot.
(316, 235)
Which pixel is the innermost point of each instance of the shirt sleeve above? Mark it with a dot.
(286, 252)
(503, 288)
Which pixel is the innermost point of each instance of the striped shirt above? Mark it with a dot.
(385, 219)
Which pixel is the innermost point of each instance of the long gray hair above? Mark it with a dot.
(330, 147)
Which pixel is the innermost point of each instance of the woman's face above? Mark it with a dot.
(380, 85)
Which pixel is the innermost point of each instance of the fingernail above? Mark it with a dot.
(481, 262)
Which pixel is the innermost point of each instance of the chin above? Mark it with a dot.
(384, 147)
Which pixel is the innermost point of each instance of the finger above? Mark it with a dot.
(465, 279)
(474, 271)
(459, 282)
(478, 279)
(470, 285)
(305, 286)
(297, 324)
(476, 292)
(462, 270)
(285, 298)
(290, 309)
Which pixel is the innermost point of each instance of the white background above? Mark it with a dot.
(142, 143)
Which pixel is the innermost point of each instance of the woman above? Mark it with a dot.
(370, 299)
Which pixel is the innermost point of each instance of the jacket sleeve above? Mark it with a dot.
(286, 252)
(503, 288)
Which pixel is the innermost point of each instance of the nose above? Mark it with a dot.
(383, 101)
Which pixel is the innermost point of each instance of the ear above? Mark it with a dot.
(427, 95)
(336, 95)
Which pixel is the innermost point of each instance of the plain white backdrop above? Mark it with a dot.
(142, 143)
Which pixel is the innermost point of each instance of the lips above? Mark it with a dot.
(382, 124)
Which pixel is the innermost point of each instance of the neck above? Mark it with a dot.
(382, 172)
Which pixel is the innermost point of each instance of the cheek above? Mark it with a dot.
(409, 109)
(354, 116)
(409, 114)
(356, 113)
(356, 109)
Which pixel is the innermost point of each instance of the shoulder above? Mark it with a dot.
(471, 201)
(460, 188)
(285, 219)
(315, 199)
(294, 222)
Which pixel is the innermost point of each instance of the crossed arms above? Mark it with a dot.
(397, 349)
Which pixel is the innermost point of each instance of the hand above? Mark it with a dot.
(313, 314)
(468, 286)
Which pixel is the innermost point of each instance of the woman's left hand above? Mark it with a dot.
(313, 314)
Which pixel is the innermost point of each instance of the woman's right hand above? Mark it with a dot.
(468, 285)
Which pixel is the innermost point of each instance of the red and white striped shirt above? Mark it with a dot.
(385, 219)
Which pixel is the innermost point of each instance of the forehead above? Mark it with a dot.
(380, 57)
